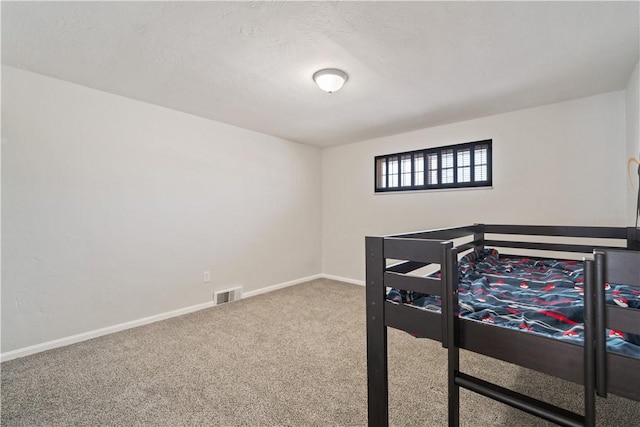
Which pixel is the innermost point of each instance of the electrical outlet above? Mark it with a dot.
(206, 276)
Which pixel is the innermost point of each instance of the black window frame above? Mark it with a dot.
(425, 153)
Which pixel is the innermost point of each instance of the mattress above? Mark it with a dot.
(541, 296)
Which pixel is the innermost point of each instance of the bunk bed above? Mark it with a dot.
(603, 256)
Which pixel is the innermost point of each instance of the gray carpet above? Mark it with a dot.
(293, 357)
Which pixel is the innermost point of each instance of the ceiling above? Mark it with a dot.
(411, 65)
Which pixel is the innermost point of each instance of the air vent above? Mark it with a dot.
(227, 295)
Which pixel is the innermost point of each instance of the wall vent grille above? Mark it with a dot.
(227, 295)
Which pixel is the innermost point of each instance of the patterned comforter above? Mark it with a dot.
(529, 294)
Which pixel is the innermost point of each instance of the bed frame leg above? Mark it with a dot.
(450, 312)
(600, 324)
(377, 372)
(589, 345)
(454, 402)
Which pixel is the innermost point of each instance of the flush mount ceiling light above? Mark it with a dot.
(330, 79)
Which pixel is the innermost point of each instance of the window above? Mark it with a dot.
(454, 166)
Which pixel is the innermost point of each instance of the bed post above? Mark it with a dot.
(478, 235)
(377, 373)
(601, 320)
(633, 238)
(449, 266)
(589, 345)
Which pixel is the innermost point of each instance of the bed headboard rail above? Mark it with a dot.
(574, 239)
(420, 250)
(558, 230)
(622, 267)
(443, 233)
(409, 254)
(549, 238)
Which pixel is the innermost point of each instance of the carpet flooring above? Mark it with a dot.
(293, 357)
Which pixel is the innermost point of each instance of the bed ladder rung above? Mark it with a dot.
(520, 401)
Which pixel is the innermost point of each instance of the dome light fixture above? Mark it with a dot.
(330, 79)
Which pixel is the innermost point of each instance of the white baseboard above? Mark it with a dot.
(280, 286)
(37, 348)
(343, 279)
(26, 351)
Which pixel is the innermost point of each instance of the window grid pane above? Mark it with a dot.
(464, 165)
(447, 166)
(464, 174)
(464, 157)
(405, 176)
(418, 169)
(432, 165)
(480, 173)
(381, 173)
(447, 176)
(480, 159)
(447, 159)
(393, 171)
(480, 155)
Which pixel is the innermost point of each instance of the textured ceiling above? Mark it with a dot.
(410, 64)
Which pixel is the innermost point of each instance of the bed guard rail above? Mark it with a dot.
(539, 408)
(620, 267)
(410, 253)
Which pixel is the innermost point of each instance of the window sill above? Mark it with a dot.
(433, 190)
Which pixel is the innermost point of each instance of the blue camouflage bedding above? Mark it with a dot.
(529, 294)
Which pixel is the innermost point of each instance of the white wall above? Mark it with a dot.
(556, 164)
(113, 208)
(632, 110)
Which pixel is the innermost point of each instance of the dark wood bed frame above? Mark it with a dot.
(391, 259)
